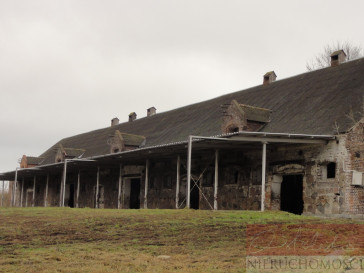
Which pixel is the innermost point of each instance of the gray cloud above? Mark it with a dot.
(70, 66)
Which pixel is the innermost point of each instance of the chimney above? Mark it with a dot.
(269, 77)
(114, 121)
(337, 57)
(151, 111)
(132, 116)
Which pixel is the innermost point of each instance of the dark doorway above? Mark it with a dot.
(71, 200)
(135, 193)
(292, 194)
(194, 198)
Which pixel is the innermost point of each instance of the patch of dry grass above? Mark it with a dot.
(89, 240)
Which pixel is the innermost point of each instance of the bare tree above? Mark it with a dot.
(322, 59)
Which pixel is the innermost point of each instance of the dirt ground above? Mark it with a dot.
(305, 239)
(89, 240)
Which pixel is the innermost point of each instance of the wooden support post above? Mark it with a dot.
(146, 184)
(2, 193)
(26, 198)
(64, 181)
(60, 193)
(15, 190)
(78, 188)
(119, 185)
(97, 188)
(22, 193)
(189, 158)
(33, 204)
(216, 180)
(13, 194)
(178, 178)
(46, 192)
(264, 157)
(123, 193)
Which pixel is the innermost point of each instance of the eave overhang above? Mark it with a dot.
(134, 156)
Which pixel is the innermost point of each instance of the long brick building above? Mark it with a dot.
(295, 145)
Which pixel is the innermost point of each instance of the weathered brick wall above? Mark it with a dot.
(321, 195)
(162, 184)
(109, 181)
(239, 180)
(324, 195)
(355, 162)
(233, 119)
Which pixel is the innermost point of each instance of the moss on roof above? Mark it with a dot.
(33, 160)
(74, 152)
(256, 113)
(131, 140)
(269, 73)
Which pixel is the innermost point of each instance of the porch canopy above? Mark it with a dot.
(138, 156)
(246, 140)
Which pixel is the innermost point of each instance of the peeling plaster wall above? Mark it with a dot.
(321, 195)
(325, 195)
(162, 184)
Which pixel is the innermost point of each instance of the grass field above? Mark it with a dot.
(89, 240)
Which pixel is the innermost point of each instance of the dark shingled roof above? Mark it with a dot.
(310, 103)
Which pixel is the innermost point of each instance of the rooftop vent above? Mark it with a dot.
(151, 111)
(337, 57)
(132, 116)
(114, 121)
(269, 77)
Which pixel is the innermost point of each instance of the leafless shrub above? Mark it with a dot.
(322, 59)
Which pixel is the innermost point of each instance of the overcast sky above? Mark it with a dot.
(68, 67)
